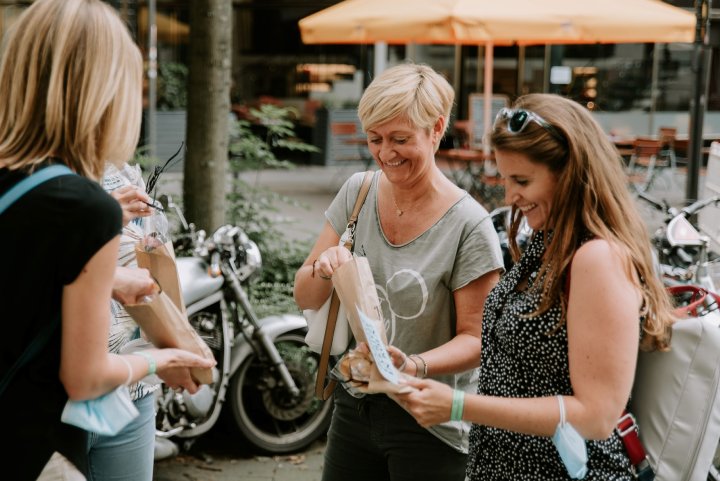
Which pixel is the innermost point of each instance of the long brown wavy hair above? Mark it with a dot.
(591, 199)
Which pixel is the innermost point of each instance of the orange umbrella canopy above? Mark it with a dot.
(524, 22)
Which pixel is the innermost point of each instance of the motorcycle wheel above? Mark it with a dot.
(270, 419)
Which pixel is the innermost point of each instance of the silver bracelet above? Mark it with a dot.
(417, 370)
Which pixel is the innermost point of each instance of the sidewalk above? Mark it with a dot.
(306, 466)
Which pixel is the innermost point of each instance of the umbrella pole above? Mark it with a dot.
(697, 107)
(487, 94)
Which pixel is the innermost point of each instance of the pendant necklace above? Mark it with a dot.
(398, 211)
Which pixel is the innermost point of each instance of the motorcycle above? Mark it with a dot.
(683, 252)
(264, 379)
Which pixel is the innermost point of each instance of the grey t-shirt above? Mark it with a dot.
(415, 281)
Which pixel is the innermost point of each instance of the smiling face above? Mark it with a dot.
(401, 149)
(528, 185)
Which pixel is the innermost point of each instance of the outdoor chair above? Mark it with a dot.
(649, 160)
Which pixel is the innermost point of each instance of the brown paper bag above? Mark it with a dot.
(355, 286)
(160, 261)
(163, 320)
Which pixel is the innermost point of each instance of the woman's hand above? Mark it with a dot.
(331, 259)
(173, 367)
(131, 284)
(430, 403)
(402, 361)
(133, 202)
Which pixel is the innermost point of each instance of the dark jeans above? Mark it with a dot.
(374, 439)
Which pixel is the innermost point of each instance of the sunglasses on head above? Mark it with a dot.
(518, 119)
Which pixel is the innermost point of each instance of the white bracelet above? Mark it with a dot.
(130, 370)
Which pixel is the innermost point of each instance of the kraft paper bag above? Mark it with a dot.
(355, 286)
(163, 318)
(160, 261)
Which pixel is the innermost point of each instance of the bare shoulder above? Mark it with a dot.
(598, 256)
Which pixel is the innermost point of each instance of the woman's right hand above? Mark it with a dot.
(173, 367)
(330, 259)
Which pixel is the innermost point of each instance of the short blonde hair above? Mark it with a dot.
(413, 92)
(72, 87)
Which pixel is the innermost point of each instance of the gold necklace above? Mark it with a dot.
(398, 211)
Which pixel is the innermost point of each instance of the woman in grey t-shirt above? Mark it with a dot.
(434, 256)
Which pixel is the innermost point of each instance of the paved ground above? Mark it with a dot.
(217, 456)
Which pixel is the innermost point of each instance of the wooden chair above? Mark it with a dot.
(668, 136)
(644, 162)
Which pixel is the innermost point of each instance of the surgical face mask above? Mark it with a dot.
(106, 415)
(570, 445)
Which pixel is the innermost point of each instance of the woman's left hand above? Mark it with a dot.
(401, 361)
(430, 403)
(132, 284)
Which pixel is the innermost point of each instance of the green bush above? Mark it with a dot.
(172, 86)
(253, 146)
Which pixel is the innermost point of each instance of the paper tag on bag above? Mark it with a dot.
(382, 359)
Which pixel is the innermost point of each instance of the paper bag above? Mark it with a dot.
(163, 319)
(355, 286)
(160, 261)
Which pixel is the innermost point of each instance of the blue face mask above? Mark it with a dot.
(570, 445)
(106, 415)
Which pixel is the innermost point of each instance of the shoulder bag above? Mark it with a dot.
(675, 394)
(328, 329)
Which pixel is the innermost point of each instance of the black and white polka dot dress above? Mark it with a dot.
(522, 359)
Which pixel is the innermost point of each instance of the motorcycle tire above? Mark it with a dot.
(269, 419)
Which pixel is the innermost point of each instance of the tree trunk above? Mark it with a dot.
(205, 182)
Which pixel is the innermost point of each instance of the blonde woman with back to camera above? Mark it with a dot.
(434, 256)
(71, 96)
(562, 328)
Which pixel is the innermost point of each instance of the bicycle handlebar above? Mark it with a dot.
(687, 211)
(699, 205)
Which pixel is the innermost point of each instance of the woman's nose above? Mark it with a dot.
(509, 194)
(385, 152)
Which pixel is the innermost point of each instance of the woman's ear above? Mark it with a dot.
(438, 129)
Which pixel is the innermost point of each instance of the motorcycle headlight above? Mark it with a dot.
(254, 258)
(240, 251)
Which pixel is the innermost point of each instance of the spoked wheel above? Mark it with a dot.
(267, 416)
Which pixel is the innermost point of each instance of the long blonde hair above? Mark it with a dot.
(72, 87)
(592, 190)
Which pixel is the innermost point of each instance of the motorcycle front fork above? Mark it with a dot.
(265, 341)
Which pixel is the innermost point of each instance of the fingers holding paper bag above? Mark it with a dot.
(173, 367)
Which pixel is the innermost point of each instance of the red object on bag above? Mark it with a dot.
(698, 295)
(628, 430)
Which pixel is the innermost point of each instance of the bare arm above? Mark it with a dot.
(602, 348)
(87, 370)
(462, 352)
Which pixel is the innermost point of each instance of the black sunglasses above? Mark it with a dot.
(518, 119)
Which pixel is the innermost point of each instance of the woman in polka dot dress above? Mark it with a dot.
(567, 320)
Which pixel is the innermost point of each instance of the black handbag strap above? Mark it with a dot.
(6, 200)
(323, 391)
